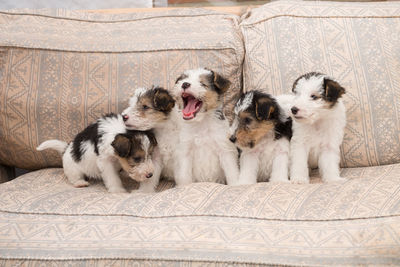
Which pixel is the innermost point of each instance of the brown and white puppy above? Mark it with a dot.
(148, 109)
(155, 109)
(204, 152)
(319, 118)
(102, 149)
(262, 130)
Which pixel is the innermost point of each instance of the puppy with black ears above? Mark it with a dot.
(262, 130)
(155, 109)
(319, 118)
(204, 152)
(102, 149)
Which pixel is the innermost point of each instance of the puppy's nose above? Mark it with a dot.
(294, 110)
(232, 139)
(149, 175)
(185, 85)
(125, 117)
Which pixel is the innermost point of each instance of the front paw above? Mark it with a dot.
(299, 180)
(337, 179)
(117, 190)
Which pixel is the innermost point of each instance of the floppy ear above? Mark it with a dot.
(220, 82)
(332, 90)
(163, 100)
(122, 145)
(265, 108)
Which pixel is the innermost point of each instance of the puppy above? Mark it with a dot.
(319, 118)
(102, 149)
(262, 130)
(155, 109)
(204, 152)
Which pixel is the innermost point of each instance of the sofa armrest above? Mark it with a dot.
(6, 173)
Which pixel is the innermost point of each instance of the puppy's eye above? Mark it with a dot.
(137, 159)
(145, 107)
(247, 121)
(314, 97)
(203, 84)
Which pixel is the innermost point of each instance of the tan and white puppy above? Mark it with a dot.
(155, 109)
(102, 149)
(262, 130)
(204, 152)
(319, 118)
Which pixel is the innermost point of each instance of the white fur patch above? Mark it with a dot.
(244, 103)
(138, 93)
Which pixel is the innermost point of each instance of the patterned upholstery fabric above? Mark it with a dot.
(357, 43)
(74, 67)
(42, 217)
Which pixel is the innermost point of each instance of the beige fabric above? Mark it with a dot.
(55, 93)
(374, 192)
(42, 217)
(357, 43)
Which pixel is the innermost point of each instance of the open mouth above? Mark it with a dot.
(191, 106)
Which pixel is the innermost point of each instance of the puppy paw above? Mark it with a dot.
(80, 183)
(117, 190)
(335, 180)
(299, 180)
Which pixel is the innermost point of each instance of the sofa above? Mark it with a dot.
(60, 70)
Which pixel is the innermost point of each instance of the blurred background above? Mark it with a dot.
(107, 4)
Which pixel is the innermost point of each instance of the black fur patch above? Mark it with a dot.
(162, 99)
(284, 129)
(219, 83)
(332, 91)
(264, 107)
(90, 133)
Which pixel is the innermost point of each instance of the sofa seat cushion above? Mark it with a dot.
(42, 217)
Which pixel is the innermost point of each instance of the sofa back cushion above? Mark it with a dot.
(61, 70)
(357, 43)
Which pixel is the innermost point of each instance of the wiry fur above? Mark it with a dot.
(161, 116)
(204, 152)
(319, 118)
(102, 149)
(262, 130)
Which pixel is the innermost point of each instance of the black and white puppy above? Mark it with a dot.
(204, 152)
(262, 130)
(102, 149)
(155, 109)
(319, 118)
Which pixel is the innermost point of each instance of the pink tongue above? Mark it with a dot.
(190, 108)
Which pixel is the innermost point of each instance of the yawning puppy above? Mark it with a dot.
(102, 149)
(262, 130)
(319, 118)
(204, 153)
(155, 109)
